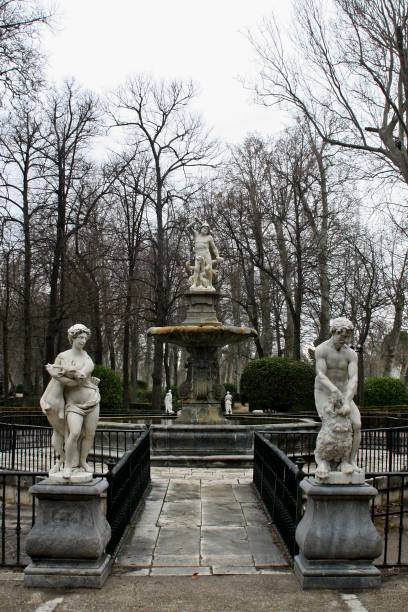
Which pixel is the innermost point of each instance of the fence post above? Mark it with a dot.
(299, 495)
(13, 445)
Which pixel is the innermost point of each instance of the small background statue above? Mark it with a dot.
(168, 402)
(335, 386)
(228, 403)
(71, 405)
(206, 257)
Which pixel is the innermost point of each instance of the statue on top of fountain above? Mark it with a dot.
(206, 258)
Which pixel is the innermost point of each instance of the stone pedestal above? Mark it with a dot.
(337, 539)
(201, 307)
(67, 543)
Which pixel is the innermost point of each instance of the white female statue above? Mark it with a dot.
(168, 402)
(71, 405)
(228, 403)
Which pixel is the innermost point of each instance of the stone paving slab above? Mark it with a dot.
(182, 513)
(176, 560)
(254, 514)
(239, 569)
(175, 540)
(216, 514)
(200, 521)
(180, 571)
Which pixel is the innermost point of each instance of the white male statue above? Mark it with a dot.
(71, 405)
(168, 402)
(335, 386)
(206, 256)
(228, 403)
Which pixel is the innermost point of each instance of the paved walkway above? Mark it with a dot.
(199, 521)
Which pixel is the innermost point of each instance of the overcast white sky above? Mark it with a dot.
(101, 42)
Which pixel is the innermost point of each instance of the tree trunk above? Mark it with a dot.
(391, 342)
(175, 365)
(265, 307)
(160, 298)
(27, 342)
(54, 311)
(5, 326)
(166, 361)
(134, 362)
(97, 329)
(126, 347)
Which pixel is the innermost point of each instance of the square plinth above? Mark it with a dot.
(336, 575)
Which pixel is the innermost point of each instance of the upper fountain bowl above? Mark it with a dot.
(202, 335)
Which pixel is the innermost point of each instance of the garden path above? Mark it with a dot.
(201, 521)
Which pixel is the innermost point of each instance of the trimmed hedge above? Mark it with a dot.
(384, 391)
(110, 387)
(279, 384)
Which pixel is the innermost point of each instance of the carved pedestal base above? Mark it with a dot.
(67, 543)
(337, 539)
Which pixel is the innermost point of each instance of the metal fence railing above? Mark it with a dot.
(29, 448)
(282, 460)
(381, 450)
(389, 512)
(277, 479)
(127, 479)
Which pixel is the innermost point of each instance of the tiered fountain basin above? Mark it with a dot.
(202, 335)
(201, 430)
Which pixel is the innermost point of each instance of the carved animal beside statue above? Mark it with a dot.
(334, 442)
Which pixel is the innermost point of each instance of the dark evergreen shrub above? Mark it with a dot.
(110, 387)
(278, 384)
(384, 391)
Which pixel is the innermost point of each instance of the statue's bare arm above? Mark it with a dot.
(193, 226)
(352, 379)
(213, 249)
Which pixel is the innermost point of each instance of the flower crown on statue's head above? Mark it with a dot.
(76, 330)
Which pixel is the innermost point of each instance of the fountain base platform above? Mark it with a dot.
(202, 445)
(202, 413)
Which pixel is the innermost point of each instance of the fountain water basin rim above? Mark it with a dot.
(202, 335)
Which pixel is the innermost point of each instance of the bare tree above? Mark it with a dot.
(396, 285)
(20, 58)
(21, 180)
(346, 70)
(157, 117)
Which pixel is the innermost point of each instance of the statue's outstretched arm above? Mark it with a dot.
(193, 225)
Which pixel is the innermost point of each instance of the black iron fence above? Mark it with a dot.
(127, 482)
(381, 450)
(277, 479)
(127, 478)
(29, 448)
(389, 512)
(282, 460)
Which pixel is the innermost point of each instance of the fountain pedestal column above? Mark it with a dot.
(201, 334)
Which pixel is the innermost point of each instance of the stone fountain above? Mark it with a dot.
(201, 431)
(202, 335)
